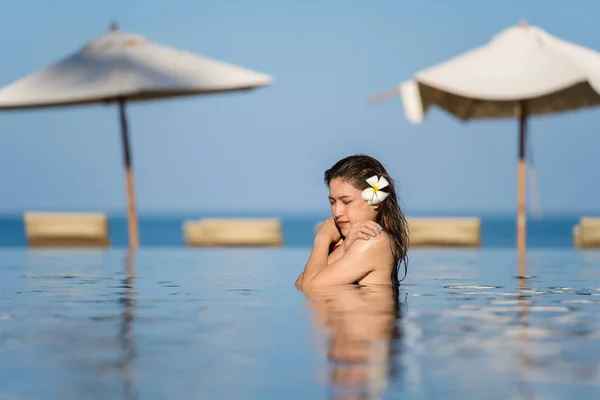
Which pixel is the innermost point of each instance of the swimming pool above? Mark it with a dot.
(229, 324)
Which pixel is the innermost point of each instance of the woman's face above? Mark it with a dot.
(347, 205)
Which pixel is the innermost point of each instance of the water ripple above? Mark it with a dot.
(180, 323)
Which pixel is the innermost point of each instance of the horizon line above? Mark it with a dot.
(303, 213)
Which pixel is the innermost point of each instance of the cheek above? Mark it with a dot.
(363, 211)
(356, 211)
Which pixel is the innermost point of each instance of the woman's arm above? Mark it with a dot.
(359, 260)
(299, 281)
(316, 261)
(331, 257)
(327, 233)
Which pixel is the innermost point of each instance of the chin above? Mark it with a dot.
(345, 231)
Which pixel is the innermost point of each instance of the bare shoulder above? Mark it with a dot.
(375, 245)
(377, 254)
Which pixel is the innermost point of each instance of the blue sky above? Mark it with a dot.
(267, 150)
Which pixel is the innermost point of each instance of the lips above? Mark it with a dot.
(342, 223)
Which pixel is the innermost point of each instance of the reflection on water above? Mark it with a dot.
(361, 323)
(64, 277)
(229, 324)
(126, 334)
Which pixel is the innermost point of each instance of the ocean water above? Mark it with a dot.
(298, 231)
(183, 323)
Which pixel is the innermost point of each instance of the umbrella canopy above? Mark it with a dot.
(522, 71)
(120, 67)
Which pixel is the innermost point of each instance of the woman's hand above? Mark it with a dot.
(362, 230)
(328, 231)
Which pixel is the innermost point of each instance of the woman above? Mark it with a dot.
(366, 238)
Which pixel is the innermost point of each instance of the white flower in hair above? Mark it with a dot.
(374, 195)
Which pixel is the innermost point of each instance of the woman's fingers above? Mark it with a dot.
(362, 233)
(373, 227)
(365, 230)
(368, 232)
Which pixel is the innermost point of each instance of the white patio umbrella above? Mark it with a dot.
(523, 71)
(121, 67)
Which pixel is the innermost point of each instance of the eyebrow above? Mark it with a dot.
(341, 197)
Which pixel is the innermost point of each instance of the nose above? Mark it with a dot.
(338, 210)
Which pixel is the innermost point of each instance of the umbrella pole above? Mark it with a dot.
(132, 223)
(521, 184)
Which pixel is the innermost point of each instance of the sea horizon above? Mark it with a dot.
(162, 228)
(231, 213)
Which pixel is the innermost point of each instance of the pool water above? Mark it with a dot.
(178, 323)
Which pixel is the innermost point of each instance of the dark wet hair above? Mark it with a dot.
(356, 170)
